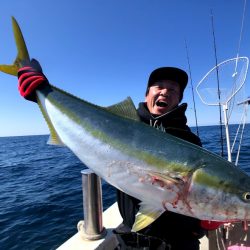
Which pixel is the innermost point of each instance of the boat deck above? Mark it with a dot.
(111, 219)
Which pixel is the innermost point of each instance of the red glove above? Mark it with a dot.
(30, 78)
(211, 225)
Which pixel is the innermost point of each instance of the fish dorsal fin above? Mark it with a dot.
(125, 108)
(147, 214)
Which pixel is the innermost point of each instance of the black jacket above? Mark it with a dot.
(169, 225)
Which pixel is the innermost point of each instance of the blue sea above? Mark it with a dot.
(41, 192)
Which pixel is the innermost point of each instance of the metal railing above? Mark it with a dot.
(92, 227)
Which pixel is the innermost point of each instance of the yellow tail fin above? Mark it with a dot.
(22, 52)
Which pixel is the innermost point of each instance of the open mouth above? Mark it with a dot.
(161, 104)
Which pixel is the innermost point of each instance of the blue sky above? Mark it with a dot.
(104, 51)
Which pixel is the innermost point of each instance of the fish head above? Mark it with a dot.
(219, 193)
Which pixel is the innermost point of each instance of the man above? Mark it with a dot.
(161, 110)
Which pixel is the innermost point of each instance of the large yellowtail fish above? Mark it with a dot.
(164, 172)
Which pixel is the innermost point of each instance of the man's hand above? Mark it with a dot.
(30, 78)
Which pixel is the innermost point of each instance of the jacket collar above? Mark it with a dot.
(174, 118)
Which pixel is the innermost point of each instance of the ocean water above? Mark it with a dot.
(41, 192)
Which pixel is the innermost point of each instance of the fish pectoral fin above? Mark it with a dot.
(125, 109)
(147, 214)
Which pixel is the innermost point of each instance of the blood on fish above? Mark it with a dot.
(156, 180)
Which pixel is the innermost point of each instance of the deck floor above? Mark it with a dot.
(218, 240)
(111, 219)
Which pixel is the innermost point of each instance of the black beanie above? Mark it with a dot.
(169, 73)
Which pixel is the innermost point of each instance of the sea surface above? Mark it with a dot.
(41, 192)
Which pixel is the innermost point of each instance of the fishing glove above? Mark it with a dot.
(211, 225)
(31, 78)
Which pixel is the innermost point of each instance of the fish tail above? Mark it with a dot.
(22, 57)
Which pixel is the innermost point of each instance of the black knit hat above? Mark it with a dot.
(169, 73)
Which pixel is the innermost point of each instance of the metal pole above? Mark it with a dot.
(229, 156)
(92, 227)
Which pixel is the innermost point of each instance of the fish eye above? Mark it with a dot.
(246, 196)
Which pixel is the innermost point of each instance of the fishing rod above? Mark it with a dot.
(218, 85)
(238, 51)
(192, 88)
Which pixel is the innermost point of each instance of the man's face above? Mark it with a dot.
(163, 96)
